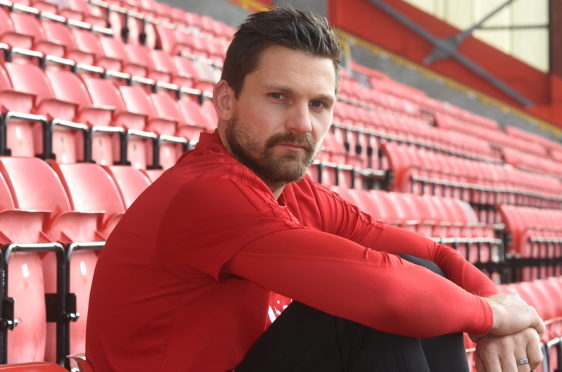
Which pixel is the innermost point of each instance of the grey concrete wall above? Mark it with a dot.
(316, 6)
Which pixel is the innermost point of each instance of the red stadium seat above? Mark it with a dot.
(31, 273)
(91, 189)
(114, 49)
(28, 24)
(36, 187)
(163, 66)
(141, 57)
(80, 10)
(106, 147)
(65, 136)
(170, 148)
(10, 36)
(87, 42)
(32, 367)
(130, 181)
(60, 34)
(69, 88)
(187, 75)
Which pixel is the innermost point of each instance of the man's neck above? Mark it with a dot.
(276, 189)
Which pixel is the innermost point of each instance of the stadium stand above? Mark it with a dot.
(99, 98)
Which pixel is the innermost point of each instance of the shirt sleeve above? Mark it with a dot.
(371, 287)
(348, 221)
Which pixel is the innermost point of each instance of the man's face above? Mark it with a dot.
(282, 114)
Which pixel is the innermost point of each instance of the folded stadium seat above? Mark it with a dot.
(553, 286)
(17, 139)
(68, 87)
(137, 101)
(193, 20)
(164, 68)
(10, 36)
(382, 207)
(130, 181)
(535, 238)
(186, 73)
(142, 57)
(35, 186)
(207, 76)
(24, 336)
(135, 143)
(91, 189)
(45, 6)
(60, 34)
(408, 215)
(114, 49)
(29, 340)
(28, 24)
(401, 164)
(170, 145)
(89, 43)
(193, 120)
(61, 135)
(167, 39)
(81, 11)
(32, 367)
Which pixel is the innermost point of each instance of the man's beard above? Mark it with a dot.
(272, 169)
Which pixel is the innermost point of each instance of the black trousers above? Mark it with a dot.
(304, 339)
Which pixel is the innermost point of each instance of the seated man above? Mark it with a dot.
(185, 280)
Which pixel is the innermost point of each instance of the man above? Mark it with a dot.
(185, 280)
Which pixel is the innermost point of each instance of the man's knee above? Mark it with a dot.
(430, 265)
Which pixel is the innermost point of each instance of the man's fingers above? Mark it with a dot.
(480, 366)
(540, 327)
(534, 351)
(491, 363)
(509, 364)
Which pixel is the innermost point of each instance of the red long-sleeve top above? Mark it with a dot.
(185, 280)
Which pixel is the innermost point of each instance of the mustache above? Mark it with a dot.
(303, 140)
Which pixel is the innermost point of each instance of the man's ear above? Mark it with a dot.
(223, 99)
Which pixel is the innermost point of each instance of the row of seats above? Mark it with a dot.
(387, 124)
(82, 45)
(444, 219)
(495, 137)
(100, 109)
(551, 146)
(533, 232)
(532, 163)
(62, 215)
(492, 183)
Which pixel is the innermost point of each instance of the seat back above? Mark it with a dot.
(32, 367)
(130, 181)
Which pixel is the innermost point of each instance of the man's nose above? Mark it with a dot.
(298, 120)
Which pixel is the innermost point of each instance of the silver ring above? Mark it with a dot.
(522, 362)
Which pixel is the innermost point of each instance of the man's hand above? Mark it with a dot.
(512, 315)
(500, 353)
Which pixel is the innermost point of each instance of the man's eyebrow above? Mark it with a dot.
(286, 89)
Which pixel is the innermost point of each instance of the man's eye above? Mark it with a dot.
(276, 95)
(317, 104)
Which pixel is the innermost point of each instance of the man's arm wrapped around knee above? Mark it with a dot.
(395, 240)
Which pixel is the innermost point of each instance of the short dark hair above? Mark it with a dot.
(296, 29)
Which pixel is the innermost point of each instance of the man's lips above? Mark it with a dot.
(293, 146)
